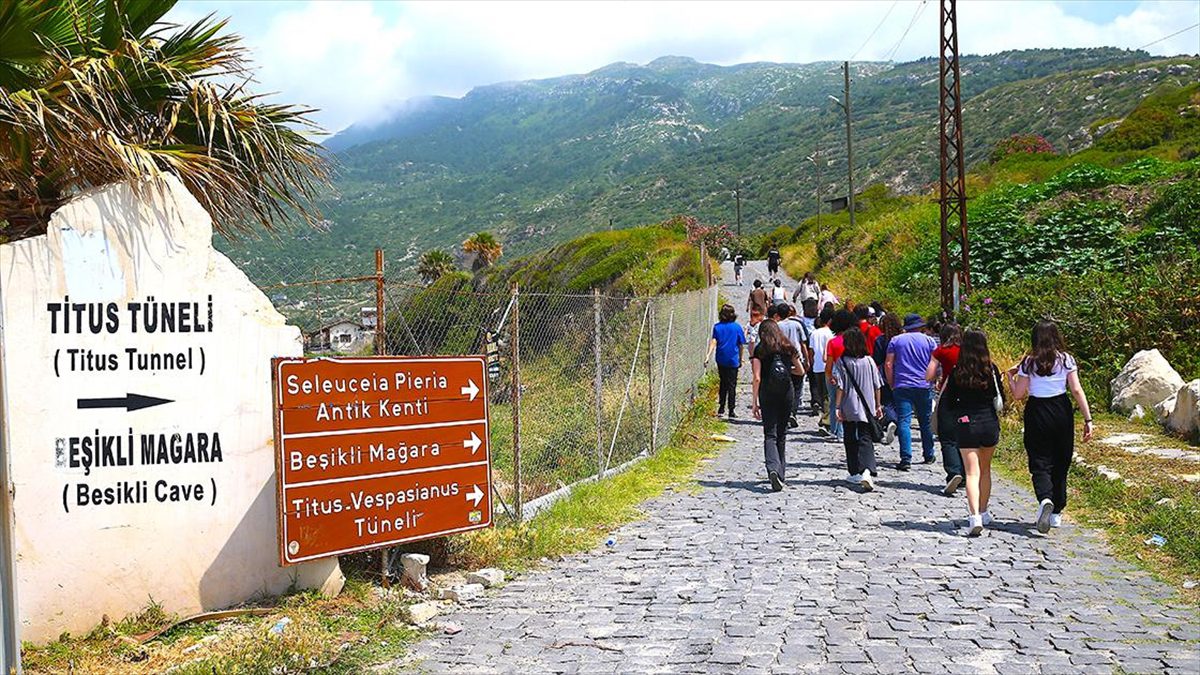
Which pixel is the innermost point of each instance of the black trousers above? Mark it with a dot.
(797, 387)
(775, 415)
(860, 450)
(818, 390)
(1050, 444)
(727, 394)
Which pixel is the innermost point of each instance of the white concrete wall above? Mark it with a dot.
(77, 561)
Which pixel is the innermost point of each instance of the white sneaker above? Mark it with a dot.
(1056, 520)
(987, 517)
(854, 479)
(889, 434)
(974, 526)
(1044, 512)
(952, 485)
(866, 481)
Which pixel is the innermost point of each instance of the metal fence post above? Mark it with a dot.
(650, 375)
(515, 345)
(598, 385)
(380, 340)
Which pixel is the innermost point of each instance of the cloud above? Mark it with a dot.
(354, 60)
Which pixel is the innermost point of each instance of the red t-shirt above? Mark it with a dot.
(834, 351)
(870, 332)
(948, 357)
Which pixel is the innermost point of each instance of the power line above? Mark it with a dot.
(913, 22)
(877, 27)
(1148, 44)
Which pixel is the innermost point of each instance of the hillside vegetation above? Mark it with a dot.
(540, 162)
(1107, 241)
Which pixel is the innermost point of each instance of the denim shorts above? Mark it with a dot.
(977, 428)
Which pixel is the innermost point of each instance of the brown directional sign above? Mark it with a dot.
(375, 451)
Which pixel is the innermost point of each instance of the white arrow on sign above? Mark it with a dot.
(475, 496)
(473, 443)
(470, 390)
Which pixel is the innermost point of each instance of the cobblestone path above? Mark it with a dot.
(727, 576)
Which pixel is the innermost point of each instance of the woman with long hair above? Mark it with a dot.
(1045, 375)
(938, 372)
(857, 401)
(726, 343)
(842, 321)
(973, 420)
(774, 362)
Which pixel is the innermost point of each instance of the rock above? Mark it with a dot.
(448, 627)
(486, 577)
(1185, 417)
(1107, 472)
(422, 612)
(414, 575)
(1100, 78)
(1179, 69)
(1145, 73)
(1165, 501)
(1145, 380)
(1107, 127)
(464, 593)
(1138, 413)
(1165, 407)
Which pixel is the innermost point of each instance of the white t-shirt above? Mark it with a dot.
(1054, 384)
(817, 341)
(778, 294)
(752, 332)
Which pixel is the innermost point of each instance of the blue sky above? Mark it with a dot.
(356, 60)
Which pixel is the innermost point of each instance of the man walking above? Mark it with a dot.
(758, 299)
(773, 257)
(908, 355)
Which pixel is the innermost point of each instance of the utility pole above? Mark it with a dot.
(849, 143)
(737, 196)
(815, 158)
(954, 256)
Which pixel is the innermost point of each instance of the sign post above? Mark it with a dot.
(373, 452)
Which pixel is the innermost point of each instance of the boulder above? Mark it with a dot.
(414, 575)
(1185, 418)
(486, 577)
(463, 593)
(1146, 380)
(422, 612)
(1164, 408)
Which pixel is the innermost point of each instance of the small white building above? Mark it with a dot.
(342, 336)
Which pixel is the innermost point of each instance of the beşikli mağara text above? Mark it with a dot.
(97, 450)
(118, 450)
(376, 453)
(140, 316)
(373, 384)
(361, 500)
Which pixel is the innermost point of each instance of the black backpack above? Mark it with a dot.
(777, 378)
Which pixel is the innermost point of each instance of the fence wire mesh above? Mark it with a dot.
(591, 381)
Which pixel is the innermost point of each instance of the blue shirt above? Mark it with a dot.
(730, 339)
(913, 351)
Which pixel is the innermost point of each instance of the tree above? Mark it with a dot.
(485, 247)
(93, 93)
(434, 264)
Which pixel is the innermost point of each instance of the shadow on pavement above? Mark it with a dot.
(759, 486)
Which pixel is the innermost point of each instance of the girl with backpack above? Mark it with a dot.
(858, 401)
(1045, 375)
(969, 412)
(774, 362)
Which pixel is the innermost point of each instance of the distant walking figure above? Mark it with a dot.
(727, 341)
(1045, 375)
(759, 299)
(739, 262)
(774, 362)
(773, 257)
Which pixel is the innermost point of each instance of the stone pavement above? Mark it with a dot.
(730, 577)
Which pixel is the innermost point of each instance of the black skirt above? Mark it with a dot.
(974, 427)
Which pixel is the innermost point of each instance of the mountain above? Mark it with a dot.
(538, 162)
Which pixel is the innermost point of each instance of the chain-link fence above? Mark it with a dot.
(579, 384)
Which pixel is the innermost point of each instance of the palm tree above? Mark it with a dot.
(434, 264)
(486, 248)
(95, 92)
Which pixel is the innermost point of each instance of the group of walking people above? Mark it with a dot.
(870, 374)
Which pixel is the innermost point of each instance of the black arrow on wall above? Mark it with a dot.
(128, 402)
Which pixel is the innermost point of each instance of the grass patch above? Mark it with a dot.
(580, 521)
(1128, 514)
